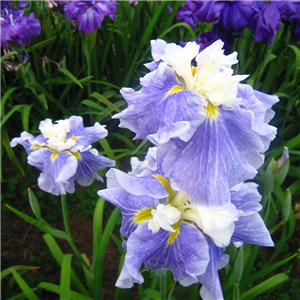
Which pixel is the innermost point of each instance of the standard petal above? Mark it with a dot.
(207, 166)
(162, 110)
(84, 136)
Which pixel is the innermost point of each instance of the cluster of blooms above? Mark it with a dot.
(15, 26)
(64, 154)
(231, 17)
(187, 202)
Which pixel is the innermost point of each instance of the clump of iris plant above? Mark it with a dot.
(187, 201)
(15, 26)
(90, 14)
(64, 154)
(231, 17)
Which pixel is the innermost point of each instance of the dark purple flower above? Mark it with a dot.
(266, 23)
(289, 10)
(15, 26)
(236, 15)
(90, 14)
(194, 11)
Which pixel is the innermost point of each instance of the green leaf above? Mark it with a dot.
(297, 61)
(269, 269)
(105, 101)
(30, 294)
(58, 255)
(12, 111)
(71, 76)
(269, 179)
(5, 56)
(8, 271)
(65, 275)
(264, 286)
(98, 266)
(43, 43)
(38, 88)
(6, 143)
(57, 289)
(41, 225)
(34, 203)
(153, 294)
(25, 117)
(5, 98)
(239, 265)
(97, 226)
(106, 147)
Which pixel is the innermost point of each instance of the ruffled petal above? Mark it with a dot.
(57, 170)
(84, 136)
(89, 164)
(187, 256)
(252, 230)
(161, 110)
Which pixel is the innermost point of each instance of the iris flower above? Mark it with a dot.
(211, 130)
(15, 26)
(90, 14)
(166, 229)
(64, 154)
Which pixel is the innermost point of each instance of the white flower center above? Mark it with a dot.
(164, 216)
(217, 222)
(57, 134)
(212, 78)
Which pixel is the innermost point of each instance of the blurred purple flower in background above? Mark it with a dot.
(289, 10)
(266, 23)
(64, 154)
(15, 26)
(90, 14)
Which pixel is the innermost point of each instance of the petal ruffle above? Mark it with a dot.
(85, 136)
(156, 114)
(187, 256)
(252, 230)
(89, 164)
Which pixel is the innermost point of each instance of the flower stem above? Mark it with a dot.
(163, 287)
(65, 213)
(67, 229)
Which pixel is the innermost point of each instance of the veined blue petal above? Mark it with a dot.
(84, 136)
(252, 229)
(57, 169)
(211, 286)
(247, 199)
(132, 195)
(89, 163)
(208, 165)
(159, 111)
(187, 256)
(138, 186)
(130, 206)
